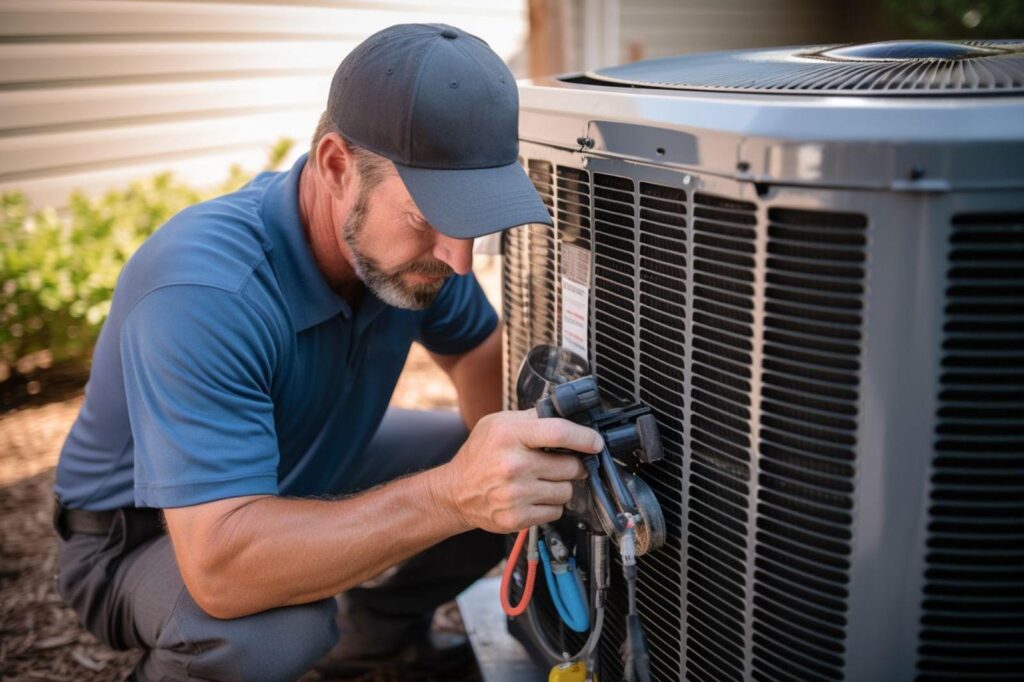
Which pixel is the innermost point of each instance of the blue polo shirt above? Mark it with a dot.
(229, 367)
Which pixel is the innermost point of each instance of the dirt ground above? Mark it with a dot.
(40, 638)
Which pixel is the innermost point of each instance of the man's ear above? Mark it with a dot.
(336, 166)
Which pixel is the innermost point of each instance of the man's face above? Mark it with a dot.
(395, 252)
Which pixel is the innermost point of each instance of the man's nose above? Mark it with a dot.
(457, 253)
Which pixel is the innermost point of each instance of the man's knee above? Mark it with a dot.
(279, 644)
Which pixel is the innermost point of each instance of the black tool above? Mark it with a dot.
(613, 502)
(628, 432)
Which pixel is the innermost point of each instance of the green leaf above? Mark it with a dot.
(58, 268)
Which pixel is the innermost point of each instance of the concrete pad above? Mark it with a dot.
(501, 658)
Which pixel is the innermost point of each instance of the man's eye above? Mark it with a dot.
(419, 224)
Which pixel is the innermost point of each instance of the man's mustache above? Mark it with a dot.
(430, 268)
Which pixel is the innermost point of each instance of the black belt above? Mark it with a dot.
(67, 521)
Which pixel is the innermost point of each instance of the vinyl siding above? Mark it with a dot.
(96, 92)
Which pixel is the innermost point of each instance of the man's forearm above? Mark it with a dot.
(477, 379)
(274, 551)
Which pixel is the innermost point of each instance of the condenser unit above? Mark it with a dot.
(810, 263)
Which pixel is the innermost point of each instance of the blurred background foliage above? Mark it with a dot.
(58, 268)
(957, 19)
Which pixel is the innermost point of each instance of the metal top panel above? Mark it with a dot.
(906, 144)
(920, 68)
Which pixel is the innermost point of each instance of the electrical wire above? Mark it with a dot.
(636, 660)
(564, 590)
(586, 652)
(531, 572)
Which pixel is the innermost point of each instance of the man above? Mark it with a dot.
(241, 381)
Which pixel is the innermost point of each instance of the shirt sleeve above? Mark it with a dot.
(460, 319)
(197, 365)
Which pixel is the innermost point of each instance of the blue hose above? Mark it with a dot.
(565, 592)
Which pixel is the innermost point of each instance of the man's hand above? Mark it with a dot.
(502, 480)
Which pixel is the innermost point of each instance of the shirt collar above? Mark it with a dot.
(309, 298)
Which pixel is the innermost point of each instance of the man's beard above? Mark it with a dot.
(391, 288)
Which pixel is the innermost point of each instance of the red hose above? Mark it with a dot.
(506, 577)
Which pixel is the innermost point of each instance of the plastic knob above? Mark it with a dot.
(576, 396)
(651, 449)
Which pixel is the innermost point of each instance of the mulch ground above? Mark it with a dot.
(40, 638)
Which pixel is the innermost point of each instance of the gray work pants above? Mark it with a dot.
(129, 593)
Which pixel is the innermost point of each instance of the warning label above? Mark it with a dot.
(575, 299)
(576, 264)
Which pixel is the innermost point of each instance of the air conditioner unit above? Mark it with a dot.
(810, 263)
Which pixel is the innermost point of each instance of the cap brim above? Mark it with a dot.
(471, 203)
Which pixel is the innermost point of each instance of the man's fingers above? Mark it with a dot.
(554, 432)
(553, 466)
(543, 513)
(550, 492)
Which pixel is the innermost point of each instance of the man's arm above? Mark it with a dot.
(243, 555)
(476, 375)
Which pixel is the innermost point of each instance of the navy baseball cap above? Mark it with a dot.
(444, 108)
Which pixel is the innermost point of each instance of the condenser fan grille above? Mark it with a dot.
(888, 68)
(809, 392)
(973, 607)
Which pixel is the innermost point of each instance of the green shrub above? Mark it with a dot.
(58, 267)
(957, 19)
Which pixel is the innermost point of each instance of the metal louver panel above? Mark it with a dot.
(614, 334)
(660, 241)
(544, 287)
(720, 436)
(662, 295)
(573, 207)
(741, 327)
(812, 331)
(515, 304)
(529, 293)
(614, 282)
(973, 606)
(663, 305)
